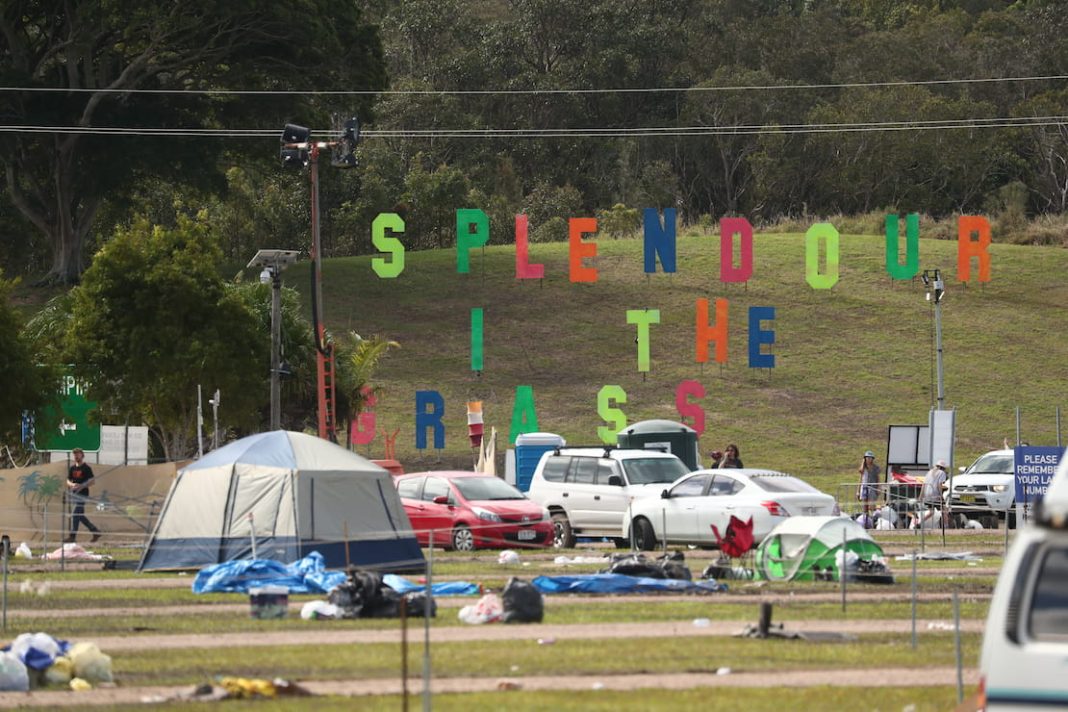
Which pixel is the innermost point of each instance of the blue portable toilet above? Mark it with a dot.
(529, 447)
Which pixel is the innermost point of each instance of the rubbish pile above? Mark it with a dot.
(519, 602)
(666, 566)
(37, 659)
(233, 688)
(364, 595)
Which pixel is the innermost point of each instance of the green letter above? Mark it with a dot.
(815, 233)
(467, 218)
(616, 418)
(524, 417)
(385, 243)
(912, 247)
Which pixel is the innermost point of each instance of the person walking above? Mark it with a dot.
(868, 492)
(79, 477)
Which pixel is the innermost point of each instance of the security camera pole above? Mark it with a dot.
(273, 262)
(932, 279)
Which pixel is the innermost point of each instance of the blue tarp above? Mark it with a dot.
(309, 575)
(620, 583)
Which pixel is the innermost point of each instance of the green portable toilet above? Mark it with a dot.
(666, 435)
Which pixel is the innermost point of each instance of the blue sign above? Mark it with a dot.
(1034, 469)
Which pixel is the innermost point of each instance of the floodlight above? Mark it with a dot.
(352, 131)
(294, 157)
(344, 154)
(295, 134)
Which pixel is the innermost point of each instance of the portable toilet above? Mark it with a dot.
(529, 447)
(666, 435)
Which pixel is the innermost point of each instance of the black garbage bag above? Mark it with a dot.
(385, 604)
(634, 565)
(523, 602)
(676, 570)
(358, 596)
(417, 603)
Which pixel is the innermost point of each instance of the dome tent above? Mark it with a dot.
(300, 492)
(799, 548)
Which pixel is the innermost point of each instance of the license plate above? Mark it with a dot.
(526, 534)
(967, 498)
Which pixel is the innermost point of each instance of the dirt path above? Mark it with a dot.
(321, 634)
(866, 678)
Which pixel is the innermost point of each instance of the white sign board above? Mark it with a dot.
(121, 445)
(943, 430)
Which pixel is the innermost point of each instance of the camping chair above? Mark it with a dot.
(737, 541)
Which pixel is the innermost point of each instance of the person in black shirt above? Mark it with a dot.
(79, 477)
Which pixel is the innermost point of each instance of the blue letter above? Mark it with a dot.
(424, 420)
(758, 336)
(659, 239)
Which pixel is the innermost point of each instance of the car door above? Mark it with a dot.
(718, 506)
(410, 490)
(438, 517)
(610, 500)
(582, 494)
(682, 507)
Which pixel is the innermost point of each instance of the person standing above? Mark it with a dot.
(731, 457)
(79, 477)
(869, 485)
(931, 494)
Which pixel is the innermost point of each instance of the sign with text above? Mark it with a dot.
(1034, 469)
(71, 424)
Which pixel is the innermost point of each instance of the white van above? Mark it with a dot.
(588, 490)
(1024, 662)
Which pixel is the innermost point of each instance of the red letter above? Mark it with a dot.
(967, 248)
(728, 228)
(523, 270)
(363, 428)
(576, 228)
(688, 409)
(707, 333)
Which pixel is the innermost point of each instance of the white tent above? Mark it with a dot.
(297, 493)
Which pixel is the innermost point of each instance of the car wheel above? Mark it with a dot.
(563, 537)
(644, 536)
(1010, 516)
(621, 543)
(463, 539)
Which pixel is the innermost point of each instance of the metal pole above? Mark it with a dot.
(426, 621)
(276, 348)
(913, 599)
(200, 424)
(663, 526)
(215, 416)
(956, 637)
(938, 341)
(842, 569)
(404, 653)
(5, 551)
(252, 533)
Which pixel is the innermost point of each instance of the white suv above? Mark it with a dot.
(587, 490)
(1025, 642)
(987, 487)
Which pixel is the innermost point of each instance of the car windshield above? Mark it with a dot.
(993, 465)
(486, 488)
(653, 470)
(782, 483)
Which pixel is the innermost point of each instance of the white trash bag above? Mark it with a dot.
(508, 557)
(13, 674)
(89, 663)
(489, 609)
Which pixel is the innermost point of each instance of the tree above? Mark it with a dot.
(152, 319)
(357, 359)
(103, 53)
(26, 386)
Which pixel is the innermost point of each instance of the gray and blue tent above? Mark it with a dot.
(298, 493)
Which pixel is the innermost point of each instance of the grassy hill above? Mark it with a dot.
(849, 361)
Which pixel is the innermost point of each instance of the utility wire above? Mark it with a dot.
(582, 132)
(505, 92)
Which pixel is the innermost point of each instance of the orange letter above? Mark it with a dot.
(967, 248)
(576, 228)
(707, 333)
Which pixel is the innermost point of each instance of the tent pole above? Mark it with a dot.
(252, 533)
(842, 569)
(348, 561)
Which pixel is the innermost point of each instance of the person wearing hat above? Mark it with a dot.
(869, 484)
(79, 477)
(933, 481)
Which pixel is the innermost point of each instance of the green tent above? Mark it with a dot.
(804, 548)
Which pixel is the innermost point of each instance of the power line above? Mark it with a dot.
(581, 132)
(505, 92)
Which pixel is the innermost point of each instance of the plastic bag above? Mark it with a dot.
(489, 609)
(319, 610)
(13, 674)
(508, 557)
(89, 663)
(60, 672)
(23, 552)
(37, 650)
(523, 602)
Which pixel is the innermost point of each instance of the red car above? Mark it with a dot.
(467, 510)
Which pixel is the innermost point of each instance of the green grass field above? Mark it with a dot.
(850, 361)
